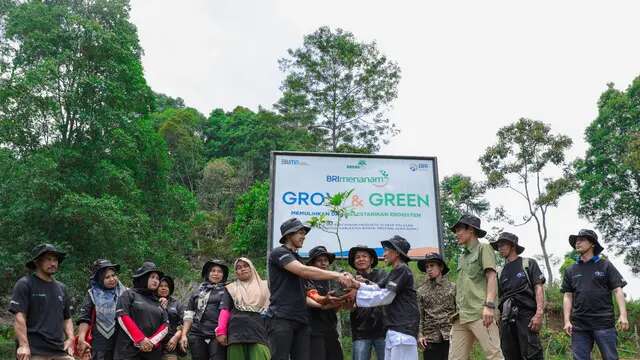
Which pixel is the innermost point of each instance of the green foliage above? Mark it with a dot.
(248, 232)
(609, 174)
(337, 209)
(521, 160)
(340, 89)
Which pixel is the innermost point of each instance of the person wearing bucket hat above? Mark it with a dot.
(202, 312)
(42, 309)
(175, 313)
(520, 285)
(323, 305)
(437, 301)
(97, 322)
(367, 327)
(397, 295)
(143, 322)
(290, 333)
(476, 290)
(588, 308)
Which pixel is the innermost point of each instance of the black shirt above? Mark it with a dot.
(323, 322)
(175, 313)
(145, 310)
(46, 305)
(402, 315)
(367, 322)
(591, 284)
(87, 315)
(287, 289)
(209, 320)
(513, 283)
(246, 327)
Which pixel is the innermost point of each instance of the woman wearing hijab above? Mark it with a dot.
(143, 321)
(248, 297)
(97, 321)
(175, 312)
(202, 312)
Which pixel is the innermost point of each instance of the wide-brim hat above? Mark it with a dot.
(354, 250)
(320, 251)
(399, 244)
(102, 264)
(507, 236)
(42, 249)
(291, 226)
(206, 269)
(472, 221)
(170, 283)
(589, 234)
(433, 257)
(147, 268)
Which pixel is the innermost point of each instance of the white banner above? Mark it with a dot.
(391, 196)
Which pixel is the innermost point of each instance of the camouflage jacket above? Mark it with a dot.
(437, 301)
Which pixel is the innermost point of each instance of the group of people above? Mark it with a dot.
(293, 315)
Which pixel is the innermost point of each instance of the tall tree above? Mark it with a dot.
(609, 174)
(341, 89)
(522, 161)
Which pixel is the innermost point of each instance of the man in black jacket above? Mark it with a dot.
(367, 327)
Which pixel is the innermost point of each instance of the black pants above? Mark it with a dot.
(517, 341)
(203, 350)
(436, 351)
(289, 338)
(153, 355)
(101, 355)
(325, 347)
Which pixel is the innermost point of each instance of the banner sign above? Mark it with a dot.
(392, 195)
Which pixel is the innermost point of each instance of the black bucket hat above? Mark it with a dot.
(42, 249)
(589, 234)
(320, 251)
(472, 221)
(354, 250)
(100, 265)
(291, 226)
(399, 244)
(147, 268)
(170, 282)
(512, 238)
(433, 257)
(206, 269)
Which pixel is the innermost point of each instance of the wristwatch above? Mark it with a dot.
(490, 304)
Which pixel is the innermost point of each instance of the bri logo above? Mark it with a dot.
(293, 162)
(380, 180)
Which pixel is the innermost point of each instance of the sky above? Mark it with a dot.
(468, 69)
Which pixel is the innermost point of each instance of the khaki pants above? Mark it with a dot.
(51, 357)
(463, 336)
(169, 357)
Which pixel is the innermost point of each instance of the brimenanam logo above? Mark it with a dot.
(378, 181)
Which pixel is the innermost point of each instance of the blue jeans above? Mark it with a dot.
(362, 349)
(582, 343)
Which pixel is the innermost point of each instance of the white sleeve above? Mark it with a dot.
(373, 295)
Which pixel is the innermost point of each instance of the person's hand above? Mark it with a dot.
(422, 343)
(145, 345)
(487, 316)
(23, 353)
(623, 323)
(536, 323)
(164, 302)
(171, 344)
(222, 340)
(568, 328)
(184, 343)
(346, 280)
(360, 278)
(68, 347)
(83, 347)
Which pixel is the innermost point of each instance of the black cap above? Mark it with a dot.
(146, 268)
(320, 251)
(102, 264)
(206, 269)
(354, 250)
(291, 226)
(470, 220)
(433, 257)
(170, 282)
(399, 244)
(507, 236)
(589, 234)
(42, 249)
